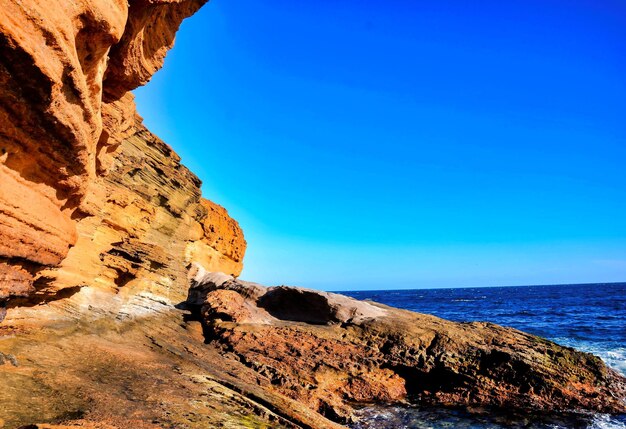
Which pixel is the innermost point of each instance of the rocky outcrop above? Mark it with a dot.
(220, 245)
(236, 358)
(331, 352)
(88, 195)
(69, 370)
(101, 227)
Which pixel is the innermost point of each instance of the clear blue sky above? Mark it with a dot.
(397, 144)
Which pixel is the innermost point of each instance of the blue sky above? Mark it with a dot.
(407, 144)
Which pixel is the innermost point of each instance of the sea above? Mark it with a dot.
(588, 317)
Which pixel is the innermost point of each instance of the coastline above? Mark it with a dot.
(120, 303)
(587, 317)
(172, 367)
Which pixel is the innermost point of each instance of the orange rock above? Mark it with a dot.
(88, 196)
(14, 281)
(53, 56)
(226, 305)
(149, 34)
(222, 245)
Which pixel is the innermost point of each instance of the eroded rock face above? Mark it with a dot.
(88, 196)
(220, 245)
(100, 221)
(330, 351)
(150, 31)
(50, 119)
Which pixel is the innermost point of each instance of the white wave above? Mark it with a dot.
(616, 359)
(605, 421)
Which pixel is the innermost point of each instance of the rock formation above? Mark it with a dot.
(102, 229)
(331, 352)
(89, 196)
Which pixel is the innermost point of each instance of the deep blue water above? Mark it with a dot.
(590, 317)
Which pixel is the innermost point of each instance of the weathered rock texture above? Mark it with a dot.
(101, 227)
(71, 370)
(330, 352)
(88, 196)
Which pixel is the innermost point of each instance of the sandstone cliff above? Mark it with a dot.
(88, 196)
(103, 231)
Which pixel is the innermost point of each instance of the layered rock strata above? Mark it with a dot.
(331, 352)
(88, 196)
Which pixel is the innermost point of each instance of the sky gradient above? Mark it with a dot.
(403, 144)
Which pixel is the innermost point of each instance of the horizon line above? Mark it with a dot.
(477, 287)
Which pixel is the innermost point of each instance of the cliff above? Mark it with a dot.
(119, 302)
(89, 196)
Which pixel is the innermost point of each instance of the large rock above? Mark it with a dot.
(151, 372)
(330, 351)
(88, 196)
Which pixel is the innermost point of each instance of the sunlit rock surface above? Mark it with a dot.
(331, 352)
(88, 196)
(103, 231)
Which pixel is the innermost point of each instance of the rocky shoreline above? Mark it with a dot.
(331, 352)
(114, 309)
(238, 354)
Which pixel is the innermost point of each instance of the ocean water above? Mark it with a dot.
(589, 317)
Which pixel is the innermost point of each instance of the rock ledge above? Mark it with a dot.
(332, 352)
